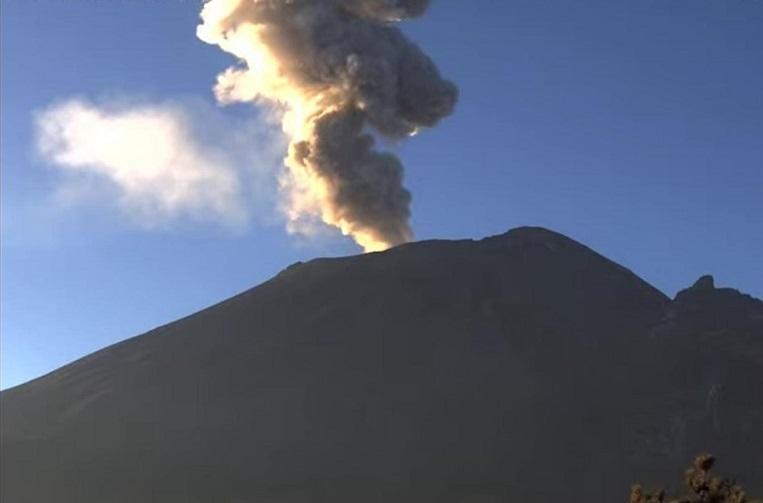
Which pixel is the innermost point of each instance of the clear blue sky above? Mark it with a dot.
(635, 127)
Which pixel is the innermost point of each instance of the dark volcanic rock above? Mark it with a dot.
(522, 367)
(708, 308)
(720, 317)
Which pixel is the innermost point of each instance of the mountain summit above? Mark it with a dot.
(521, 367)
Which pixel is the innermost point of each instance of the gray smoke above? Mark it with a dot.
(354, 72)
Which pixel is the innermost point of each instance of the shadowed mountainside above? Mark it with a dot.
(521, 367)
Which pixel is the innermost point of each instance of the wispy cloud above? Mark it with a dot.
(162, 162)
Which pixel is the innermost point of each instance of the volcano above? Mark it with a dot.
(521, 367)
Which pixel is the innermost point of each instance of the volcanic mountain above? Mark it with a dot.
(521, 367)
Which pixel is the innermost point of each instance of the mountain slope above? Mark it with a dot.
(520, 367)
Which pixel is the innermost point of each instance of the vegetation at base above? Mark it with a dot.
(703, 486)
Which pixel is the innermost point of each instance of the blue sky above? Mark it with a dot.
(634, 127)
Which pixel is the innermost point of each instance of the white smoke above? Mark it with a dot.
(154, 159)
(335, 69)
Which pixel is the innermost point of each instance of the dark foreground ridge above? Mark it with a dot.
(522, 367)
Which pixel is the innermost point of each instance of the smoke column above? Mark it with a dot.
(336, 70)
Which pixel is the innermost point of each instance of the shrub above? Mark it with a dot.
(703, 487)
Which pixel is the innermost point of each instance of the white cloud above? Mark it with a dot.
(164, 162)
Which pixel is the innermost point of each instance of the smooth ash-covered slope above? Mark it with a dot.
(522, 367)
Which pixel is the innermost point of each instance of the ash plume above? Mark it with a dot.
(337, 71)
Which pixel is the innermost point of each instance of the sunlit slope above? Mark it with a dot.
(522, 367)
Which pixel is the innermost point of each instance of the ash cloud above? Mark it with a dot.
(337, 71)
